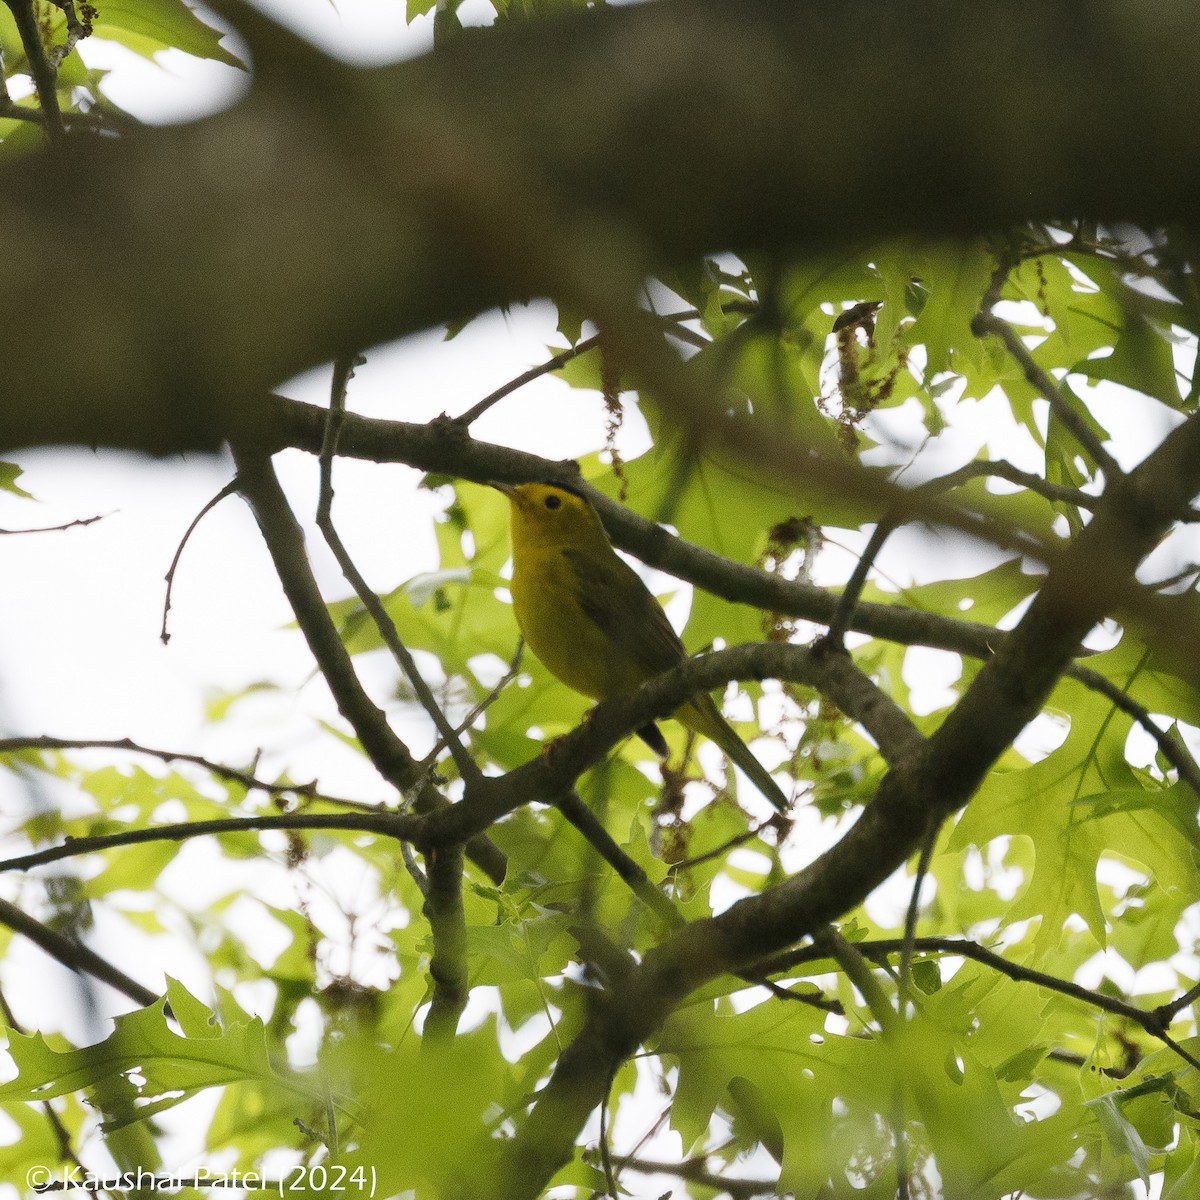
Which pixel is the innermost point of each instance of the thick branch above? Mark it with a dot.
(447, 926)
(553, 773)
(916, 793)
(444, 446)
(632, 121)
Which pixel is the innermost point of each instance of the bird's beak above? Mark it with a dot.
(507, 488)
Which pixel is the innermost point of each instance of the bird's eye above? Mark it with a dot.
(553, 501)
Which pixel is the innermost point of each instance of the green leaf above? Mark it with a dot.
(170, 1067)
(956, 277)
(9, 473)
(148, 26)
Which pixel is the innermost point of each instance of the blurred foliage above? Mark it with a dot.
(1079, 860)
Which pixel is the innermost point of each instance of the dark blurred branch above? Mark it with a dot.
(678, 159)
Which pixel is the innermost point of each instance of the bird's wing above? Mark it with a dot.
(615, 599)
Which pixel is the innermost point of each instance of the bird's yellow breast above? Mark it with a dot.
(546, 601)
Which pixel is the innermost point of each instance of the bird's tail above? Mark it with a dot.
(705, 718)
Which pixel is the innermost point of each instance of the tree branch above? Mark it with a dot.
(285, 541)
(74, 955)
(443, 447)
(657, 181)
(390, 824)
(41, 69)
(443, 910)
(1082, 587)
(1045, 383)
(309, 791)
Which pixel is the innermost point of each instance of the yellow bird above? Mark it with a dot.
(594, 624)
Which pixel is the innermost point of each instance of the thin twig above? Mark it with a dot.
(414, 868)
(986, 321)
(910, 923)
(389, 824)
(1060, 493)
(582, 347)
(1165, 1012)
(849, 956)
(228, 490)
(467, 767)
(443, 907)
(66, 1151)
(308, 791)
(77, 30)
(695, 1170)
(610, 1178)
(551, 364)
(1153, 1021)
(900, 1139)
(813, 999)
(1169, 743)
(631, 872)
(847, 602)
(78, 522)
(514, 668)
(732, 843)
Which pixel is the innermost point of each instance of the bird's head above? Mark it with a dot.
(551, 515)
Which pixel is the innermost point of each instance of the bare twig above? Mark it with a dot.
(631, 872)
(910, 922)
(695, 1170)
(610, 1178)
(582, 347)
(77, 30)
(514, 668)
(66, 1151)
(467, 768)
(551, 364)
(853, 962)
(309, 791)
(1153, 1021)
(75, 524)
(1165, 1012)
(843, 612)
(1170, 745)
(738, 839)
(1059, 493)
(228, 490)
(985, 322)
